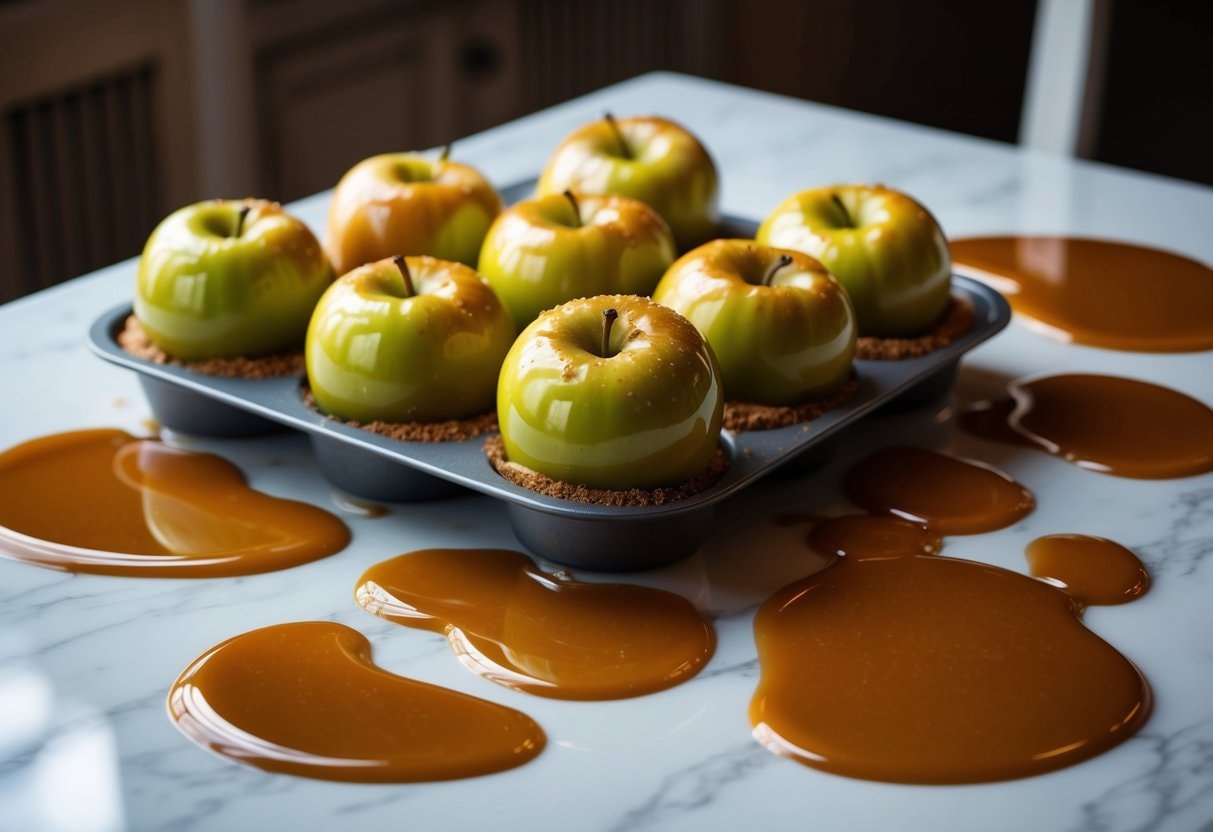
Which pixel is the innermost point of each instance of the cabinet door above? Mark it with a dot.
(328, 102)
(96, 133)
(484, 64)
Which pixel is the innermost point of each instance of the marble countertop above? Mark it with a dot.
(87, 659)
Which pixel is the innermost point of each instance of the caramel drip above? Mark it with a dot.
(1112, 425)
(1092, 570)
(1098, 292)
(105, 502)
(305, 699)
(898, 665)
(950, 495)
(527, 630)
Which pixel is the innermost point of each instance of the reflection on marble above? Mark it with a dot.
(58, 760)
(681, 759)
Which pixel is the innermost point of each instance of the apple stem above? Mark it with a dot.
(409, 291)
(624, 150)
(446, 152)
(784, 259)
(576, 208)
(608, 321)
(240, 217)
(846, 215)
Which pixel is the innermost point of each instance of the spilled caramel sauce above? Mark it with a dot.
(900, 665)
(875, 536)
(1098, 292)
(305, 699)
(1092, 570)
(1113, 425)
(105, 502)
(531, 631)
(950, 495)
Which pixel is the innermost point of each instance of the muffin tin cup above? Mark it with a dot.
(600, 542)
(930, 390)
(184, 411)
(369, 475)
(587, 536)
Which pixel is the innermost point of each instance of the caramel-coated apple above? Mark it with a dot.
(882, 245)
(551, 249)
(780, 325)
(612, 392)
(648, 158)
(226, 278)
(412, 339)
(406, 203)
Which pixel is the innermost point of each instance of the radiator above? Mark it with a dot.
(81, 170)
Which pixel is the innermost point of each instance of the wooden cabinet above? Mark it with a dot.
(399, 78)
(115, 112)
(96, 133)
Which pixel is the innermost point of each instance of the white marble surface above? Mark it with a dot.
(683, 759)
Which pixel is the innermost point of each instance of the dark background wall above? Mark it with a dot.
(1155, 110)
(114, 112)
(955, 64)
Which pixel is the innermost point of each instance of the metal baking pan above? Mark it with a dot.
(587, 536)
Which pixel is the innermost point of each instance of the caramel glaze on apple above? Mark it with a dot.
(948, 495)
(305, 699)
(543, 634)
(896, 664)
(400, 203)
(105, 502)
(1108, 294)
(1113, 425)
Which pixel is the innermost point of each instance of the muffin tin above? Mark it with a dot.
(581, 535)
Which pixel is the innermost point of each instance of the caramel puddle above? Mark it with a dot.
(305, 699)
(950, 495)
(1113, 425)
(898, 665)
(874, 536)
(105, 502)
(1092, 570)
(527, 630)
(1098, 292)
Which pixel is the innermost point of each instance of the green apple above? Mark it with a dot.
(229, 278)
(405, 203)
(412, 339)
(884, 247)
(647, 158)
(545, 251)
(780, 325)
(612, 391)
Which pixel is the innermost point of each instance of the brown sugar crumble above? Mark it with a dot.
(448, 430)
(957, 319)
(134, 340)
(743, 416)
(520, 475)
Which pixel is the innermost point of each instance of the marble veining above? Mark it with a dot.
(695, 788)
(108, 648)
(1174, 789)
(1183, 550)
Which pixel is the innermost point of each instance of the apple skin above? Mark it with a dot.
(539, 253)
(374, 352)
(669, 169)
(645, 417)
(887, 250)
(405, 203)
(780, 344)
(201, 292)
